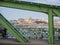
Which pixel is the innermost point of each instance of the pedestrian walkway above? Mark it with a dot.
(31, 42)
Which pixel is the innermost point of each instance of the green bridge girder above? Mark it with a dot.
(13, 30)
(51, 10)
(30, 6)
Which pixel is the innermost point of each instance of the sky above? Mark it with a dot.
(15, 14)
(51, 2)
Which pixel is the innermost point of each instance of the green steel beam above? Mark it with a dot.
(51, 27)
(29, 6)
(56, 12)
(13, 30)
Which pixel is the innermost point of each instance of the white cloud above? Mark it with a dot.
(53, 0)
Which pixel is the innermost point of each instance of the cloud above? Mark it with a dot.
(42, 0)
(53, 0)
